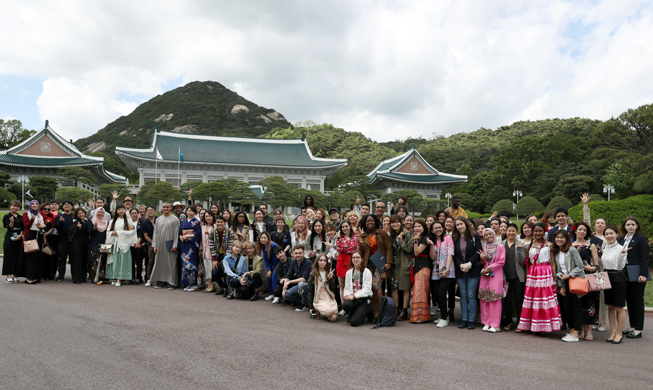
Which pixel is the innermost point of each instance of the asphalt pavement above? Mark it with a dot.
(58, 335)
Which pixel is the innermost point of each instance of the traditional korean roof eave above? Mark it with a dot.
(419, 179)
(190, 152)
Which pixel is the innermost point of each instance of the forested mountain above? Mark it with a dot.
(195, 108)
(543, 159)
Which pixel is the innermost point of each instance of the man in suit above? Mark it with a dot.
(561, 216)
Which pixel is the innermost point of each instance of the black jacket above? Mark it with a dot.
(473, 246)
(638, 255)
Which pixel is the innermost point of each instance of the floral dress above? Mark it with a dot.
(189, 250)
(591, 300)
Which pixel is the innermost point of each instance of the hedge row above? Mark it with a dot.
(614, 212)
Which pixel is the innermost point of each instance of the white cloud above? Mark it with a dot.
(390, 70)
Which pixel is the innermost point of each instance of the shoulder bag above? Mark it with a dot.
(30, 246)
(578, 286)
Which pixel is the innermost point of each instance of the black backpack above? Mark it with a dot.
(387, 315)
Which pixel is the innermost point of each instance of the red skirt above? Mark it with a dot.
(343, 265)
(540, 311)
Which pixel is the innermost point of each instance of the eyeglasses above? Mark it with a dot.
(46, 209)
(380, 207)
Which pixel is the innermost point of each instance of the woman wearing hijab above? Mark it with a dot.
(79, 239)
(493, 256)
(97, 230)
(33, 224)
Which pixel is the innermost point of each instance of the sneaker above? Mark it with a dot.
(269, 298)
(601, 329)
(442, 323)
(186, 289)
(113, 283)
(486, 328)
(191, 289)
(148, 284)
(493, 330)
(276, 300)
(117, 284)
(432, 310)
(342, 313)
(171, 288)
(9, 280)
(302, 308)
(160, 285)
(570, 339)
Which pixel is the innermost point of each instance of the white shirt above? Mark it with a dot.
(612, 258)
(562, 264)
(627, 241)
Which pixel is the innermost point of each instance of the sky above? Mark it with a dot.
(389, 69)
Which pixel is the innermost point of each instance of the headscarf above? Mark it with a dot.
(99, 222)
(34, 212)
(491, 248)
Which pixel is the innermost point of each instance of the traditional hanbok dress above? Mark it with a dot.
(189, 250)
(541, 311)
(119, 262)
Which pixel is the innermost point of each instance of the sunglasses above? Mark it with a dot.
(46, 209)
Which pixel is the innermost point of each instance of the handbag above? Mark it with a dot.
(599, 281)
(47, 250)
(106, 248)
(578, 286)
(30, 246)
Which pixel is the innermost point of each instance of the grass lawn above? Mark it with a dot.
(648, 295)
(2, 230)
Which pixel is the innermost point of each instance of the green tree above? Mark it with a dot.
(628, 139)
(241, 192)
(13, 133)
(6, 195)
(107, 189)
(72, 175)
(529, 205)
(151, 193)
(190, 184)
(430, 206)
(465, 169)
(504, 206)
(278, 192)
(622, 179)
(572, 186)
(4, 178)
(74, 194)
(496, 194)
(465, 200)
(43, 187)
(215, 192)
(558, 202)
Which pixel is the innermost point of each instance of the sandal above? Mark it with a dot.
(589, 336)
(508, 327)
(581, 335)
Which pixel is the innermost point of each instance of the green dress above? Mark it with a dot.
(119, 263)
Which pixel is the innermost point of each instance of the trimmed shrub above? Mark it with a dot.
(472, 215)
(558, 202)
(614, 212)
(529, 205)
(504, 205)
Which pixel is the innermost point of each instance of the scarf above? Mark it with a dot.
(34, 212)
(490, 248)
(99, 222)
(47, 217)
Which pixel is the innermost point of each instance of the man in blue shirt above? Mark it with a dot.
(295, 286)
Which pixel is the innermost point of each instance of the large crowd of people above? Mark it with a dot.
(526, 278)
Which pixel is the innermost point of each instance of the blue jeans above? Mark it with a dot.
(468, 289)
(294, 295)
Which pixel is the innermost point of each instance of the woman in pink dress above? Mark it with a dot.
(493, 256)
(540, 313)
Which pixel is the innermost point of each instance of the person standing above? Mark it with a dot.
(614, 262)
(455, 210)
(493, 258)
(561, 216)
(444, 271)
(421, 273)
(164, 244)
(380, 209)
(269, 221)
(208, 224)
(147, 230)
(33, 225)
(514, 275)
(13, 241)
(371, 239)
(80, 240)
(190, 236)
(63, 222)
(636, 246)
(121, 235)
(334, 216)
(137, 248)
(97, 229)
(467, 244)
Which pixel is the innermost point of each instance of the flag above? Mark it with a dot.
(158, 155)
(514, 206)
(181, 157)
(28, 194)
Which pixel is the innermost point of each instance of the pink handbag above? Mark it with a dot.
(30, 246)
(598, 281)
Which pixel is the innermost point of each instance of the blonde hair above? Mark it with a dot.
(237, 243)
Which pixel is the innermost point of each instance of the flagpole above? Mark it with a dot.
(156, 166)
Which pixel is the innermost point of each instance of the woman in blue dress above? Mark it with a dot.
(190, 234)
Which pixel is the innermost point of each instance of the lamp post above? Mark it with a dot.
(448, 196)
(609, 190)
(25, 180)
(517, 193)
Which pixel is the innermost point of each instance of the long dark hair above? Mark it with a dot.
(395, 218)
(314, 234)
(555, 249)
(315, 270)
(433, 236)
(312, 204)
(124, 217)
(235, 220)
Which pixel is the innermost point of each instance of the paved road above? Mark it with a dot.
(66, 336)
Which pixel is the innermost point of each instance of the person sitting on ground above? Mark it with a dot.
(321, 287)
(294, 282)
(282, 268)
(255, 276)
(357, 292)
(235, 267)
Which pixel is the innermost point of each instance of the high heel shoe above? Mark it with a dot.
(617, 342)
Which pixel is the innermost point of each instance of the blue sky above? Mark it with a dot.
(387, 69)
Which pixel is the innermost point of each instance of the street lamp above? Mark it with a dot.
(517, 193)
(609, 190)
(448, 196)
(25, 180)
